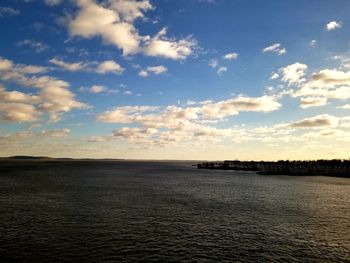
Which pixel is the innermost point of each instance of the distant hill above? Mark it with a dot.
(25, 157)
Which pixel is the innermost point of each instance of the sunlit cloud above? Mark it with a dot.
(332, 25)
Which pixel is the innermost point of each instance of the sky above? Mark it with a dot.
(185, 79)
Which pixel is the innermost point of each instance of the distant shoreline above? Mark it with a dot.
(335, 167)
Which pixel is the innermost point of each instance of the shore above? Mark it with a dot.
(335, 167)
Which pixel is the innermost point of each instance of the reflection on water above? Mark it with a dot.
(170, 211)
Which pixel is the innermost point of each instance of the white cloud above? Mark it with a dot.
(275, 48)
(8, 11)
(78, 66)
(230, 56)
(161, 126)
(312, 43)
(334, 25)
(36, 45)
(294, 73)
(163, 46)
(156, 70)
(109, 66)
(95, 20)
(221, 70)
(346, 106)
(113, 22)
(97, 89)
(53, 96)
(130, 10)
(213, 63)
(143, 73)
(274, 75)
(174, 116)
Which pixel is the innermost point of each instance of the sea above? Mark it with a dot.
(148, 211)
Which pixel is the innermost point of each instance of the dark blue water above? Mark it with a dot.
(133, 211)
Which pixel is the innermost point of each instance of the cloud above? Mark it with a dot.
(346, 106)
(294, 73)
(95, 20)
(312, 102)
(230, 107)
(78, 66)
(230, 56)
(36, 45)
(113, 22)
(274, 75)
(334, 25)
(97, 89)
(319, 121)
(29, 136)
(54, 133)
(10, 69)
(162, 46)
(8, 11)
(213, 63)
(331, 84)
(275, 48)
(312, 43)
(53, 2)
(53, 96)
(18, 112)
(130, 10)
(174, 116)
(156, 70)
(143, 73)
(109, 66)
(221, 70)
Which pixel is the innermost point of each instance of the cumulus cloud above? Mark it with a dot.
(53, 96)
(275, 48)
(230, 56)
(114, 23)
(332, 25)
(109, 66)
(156, 70)
(163, 46)
(36, 45)
(332, 84)
(294, 73)
(95, 20)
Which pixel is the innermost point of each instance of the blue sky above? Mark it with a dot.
(198, 79)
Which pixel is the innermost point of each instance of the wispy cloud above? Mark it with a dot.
(275, 48)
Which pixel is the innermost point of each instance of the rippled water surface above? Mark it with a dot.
(134, 211)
